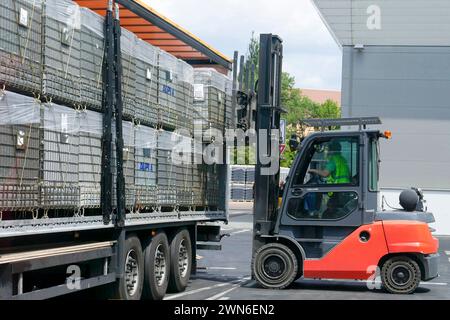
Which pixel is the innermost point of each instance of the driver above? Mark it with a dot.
(336, 171)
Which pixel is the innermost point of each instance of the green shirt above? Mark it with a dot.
(338, 169)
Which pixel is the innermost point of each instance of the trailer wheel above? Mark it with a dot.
(129, 287)
(274, 266)
(157, 267)
(400, 275)
(180, 261)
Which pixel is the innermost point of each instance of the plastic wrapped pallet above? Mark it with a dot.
(92, 51)
(128, 42)
(248, 193)
(230, 118)
(61, 52)
(185, 95)
(209, 100)
(19, 155)
(166, 171)
(128, 130)
(90, 158)
(20, 45)
(249, 175)
(238, 174)
(182, 156)
(60, 178)
(145, 166)
(167, 89)
(212, 185)
(146, 107)
(174, 176)
(238, 192)
(198, 176)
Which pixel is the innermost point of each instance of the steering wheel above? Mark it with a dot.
(316, 179)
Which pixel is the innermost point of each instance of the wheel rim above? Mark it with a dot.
(401, 275)
(183, 260)
(131, 272)
(274, 267)
(160, 265)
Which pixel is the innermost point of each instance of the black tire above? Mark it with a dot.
(180, 261)
(400, 275)
(155, 283)
(274, 266)
(124, 288)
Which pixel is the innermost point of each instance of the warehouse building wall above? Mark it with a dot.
(408, 87)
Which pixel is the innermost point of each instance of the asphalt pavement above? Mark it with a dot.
(225, 274)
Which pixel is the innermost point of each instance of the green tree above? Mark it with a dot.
(252, 56)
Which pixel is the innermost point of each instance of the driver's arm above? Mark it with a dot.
(325, 173)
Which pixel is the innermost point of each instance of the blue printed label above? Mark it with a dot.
(144, 166)
(168, 90)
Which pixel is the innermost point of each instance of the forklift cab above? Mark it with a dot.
(330, 192)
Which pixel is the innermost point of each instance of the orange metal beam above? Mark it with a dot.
(189, 55)
(158, 36)
(144, 29)
(136, 21)
(168, 43)
(178, 48)
(92, 4)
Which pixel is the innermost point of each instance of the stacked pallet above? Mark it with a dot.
(212, 101)
(51, 125)
(212, 116)
(242, 181)
(51, 159)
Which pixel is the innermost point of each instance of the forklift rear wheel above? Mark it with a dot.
(157, 262)
(400, 275)
(129, 287)
(180, 261)
(275, 266)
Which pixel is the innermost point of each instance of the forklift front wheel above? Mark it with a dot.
(400, 275)
(274, 266)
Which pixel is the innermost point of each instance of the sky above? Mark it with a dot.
(310, 53)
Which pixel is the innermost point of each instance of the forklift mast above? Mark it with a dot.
(268, 112)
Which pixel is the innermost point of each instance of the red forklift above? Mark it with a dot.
(329, 224)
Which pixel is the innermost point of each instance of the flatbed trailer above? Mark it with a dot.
(45, 258)
(127, 255)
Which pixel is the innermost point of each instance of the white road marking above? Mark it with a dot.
(234, 287)
(375, 282)
(433, 284)
(220, 268)
(219, 295)
(234, 282)
(196, 291)
(224, 298)
(447, 253)
(240, 231)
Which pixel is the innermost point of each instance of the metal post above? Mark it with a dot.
(268, 117)
(120, 179)
(252, 79)
(235, 87)
(20, 284)
(108, 104)
(105, 266)
(241, 73)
